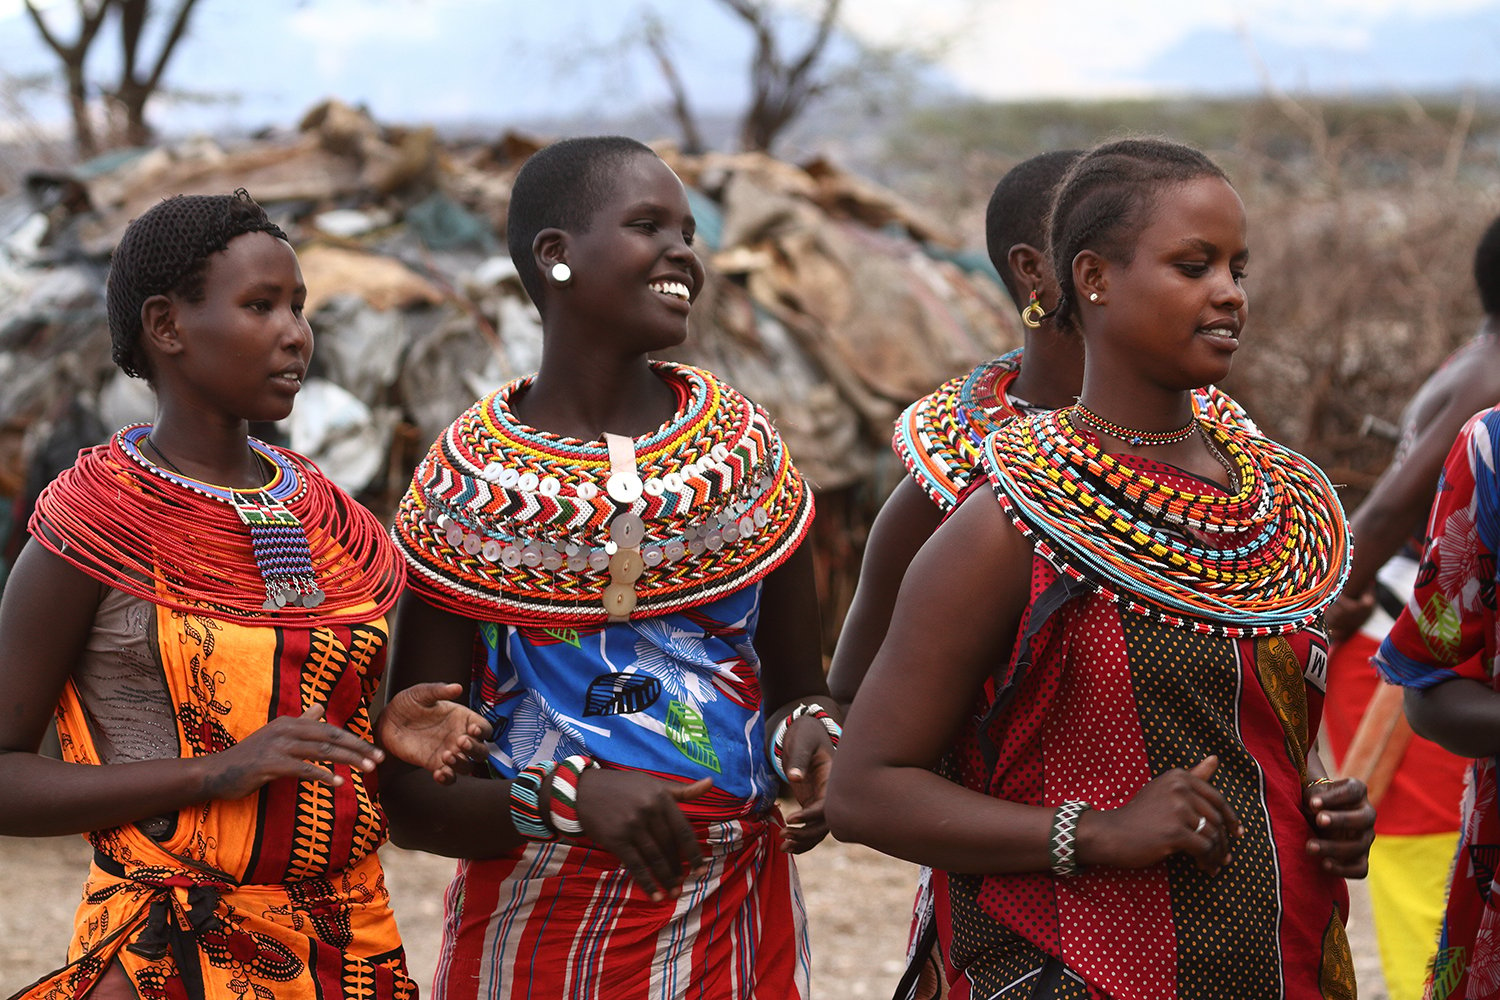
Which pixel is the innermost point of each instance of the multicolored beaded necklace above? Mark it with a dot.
(505, 522)
(940, 438)
(277, 538)
(270, 555)
(1263, 559)
(1131, 436)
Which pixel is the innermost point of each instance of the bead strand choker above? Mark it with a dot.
(1130, 436)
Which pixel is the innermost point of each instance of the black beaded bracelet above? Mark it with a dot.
(526, 812)
(1064, 838)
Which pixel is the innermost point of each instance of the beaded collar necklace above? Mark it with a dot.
(204, 549)
(506, 522)
(1263, 559)
(939, 437)
(276, 535)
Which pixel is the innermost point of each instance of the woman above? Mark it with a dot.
(205, 614)
(612, 548)
(1112, 655)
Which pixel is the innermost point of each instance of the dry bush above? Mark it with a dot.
(1363, 220)
(1361, 277)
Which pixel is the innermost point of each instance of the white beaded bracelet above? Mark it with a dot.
(778, 741)
(1064, 838)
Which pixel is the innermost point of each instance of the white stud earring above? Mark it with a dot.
(561, 273)
(1093, 296)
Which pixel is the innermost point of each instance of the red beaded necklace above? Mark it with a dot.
(173, 540)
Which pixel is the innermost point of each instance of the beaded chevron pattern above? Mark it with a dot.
(940, 437)
(1264, 559)
(507, 523)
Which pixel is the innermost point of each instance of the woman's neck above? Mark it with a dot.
(205, 451)
(585, 398)
(1140, 418)
(1051, 373)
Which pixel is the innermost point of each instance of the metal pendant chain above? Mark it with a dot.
(1229, 471)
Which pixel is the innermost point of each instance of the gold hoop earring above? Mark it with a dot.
(1033, 314)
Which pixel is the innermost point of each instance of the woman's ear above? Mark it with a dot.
(550, 247)
(1091, 277)
(1028, 264)
(159, 326)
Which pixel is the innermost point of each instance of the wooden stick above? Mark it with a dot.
(1380, 741)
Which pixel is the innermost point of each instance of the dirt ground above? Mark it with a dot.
(858, 902)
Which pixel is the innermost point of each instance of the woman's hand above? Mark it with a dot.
(636, 818)
(424, 726)
(1177, 812)
(1344, 616)
(286, 748)
(807, 757)
(1344, 822)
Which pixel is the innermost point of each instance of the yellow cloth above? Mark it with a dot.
(279, 894)
(1408, 891)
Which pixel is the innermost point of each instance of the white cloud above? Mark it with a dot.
(1009, 49)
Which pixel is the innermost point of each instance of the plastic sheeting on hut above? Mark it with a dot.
(828, 300)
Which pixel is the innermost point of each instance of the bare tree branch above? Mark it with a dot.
(133, 92)
(780, 88)
(91, 15)
(179, 29)
(692, 137)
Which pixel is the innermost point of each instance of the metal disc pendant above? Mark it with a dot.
(627, 531)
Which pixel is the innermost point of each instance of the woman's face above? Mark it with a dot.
(243, 350)
(1176, 310)
(634, 270)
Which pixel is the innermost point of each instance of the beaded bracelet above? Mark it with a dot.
(526, 802)
(1064, 838)
(778, 741)
(563, 806)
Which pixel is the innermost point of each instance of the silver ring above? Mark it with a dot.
(1202, 822)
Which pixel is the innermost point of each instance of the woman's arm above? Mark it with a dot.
(1391, 515)
(45, 619)
(469, 817)
(907, 519)
(788, 642)
(956, 619)
(1460, 715)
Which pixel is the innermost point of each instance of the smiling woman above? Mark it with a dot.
(612, 548)
(1095, 712)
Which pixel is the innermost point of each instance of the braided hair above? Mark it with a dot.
(1017, 212)
(166, 251)
(562, 186)
(1487, 269)
(1106, 200)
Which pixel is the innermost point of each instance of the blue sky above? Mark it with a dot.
(453, 61)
